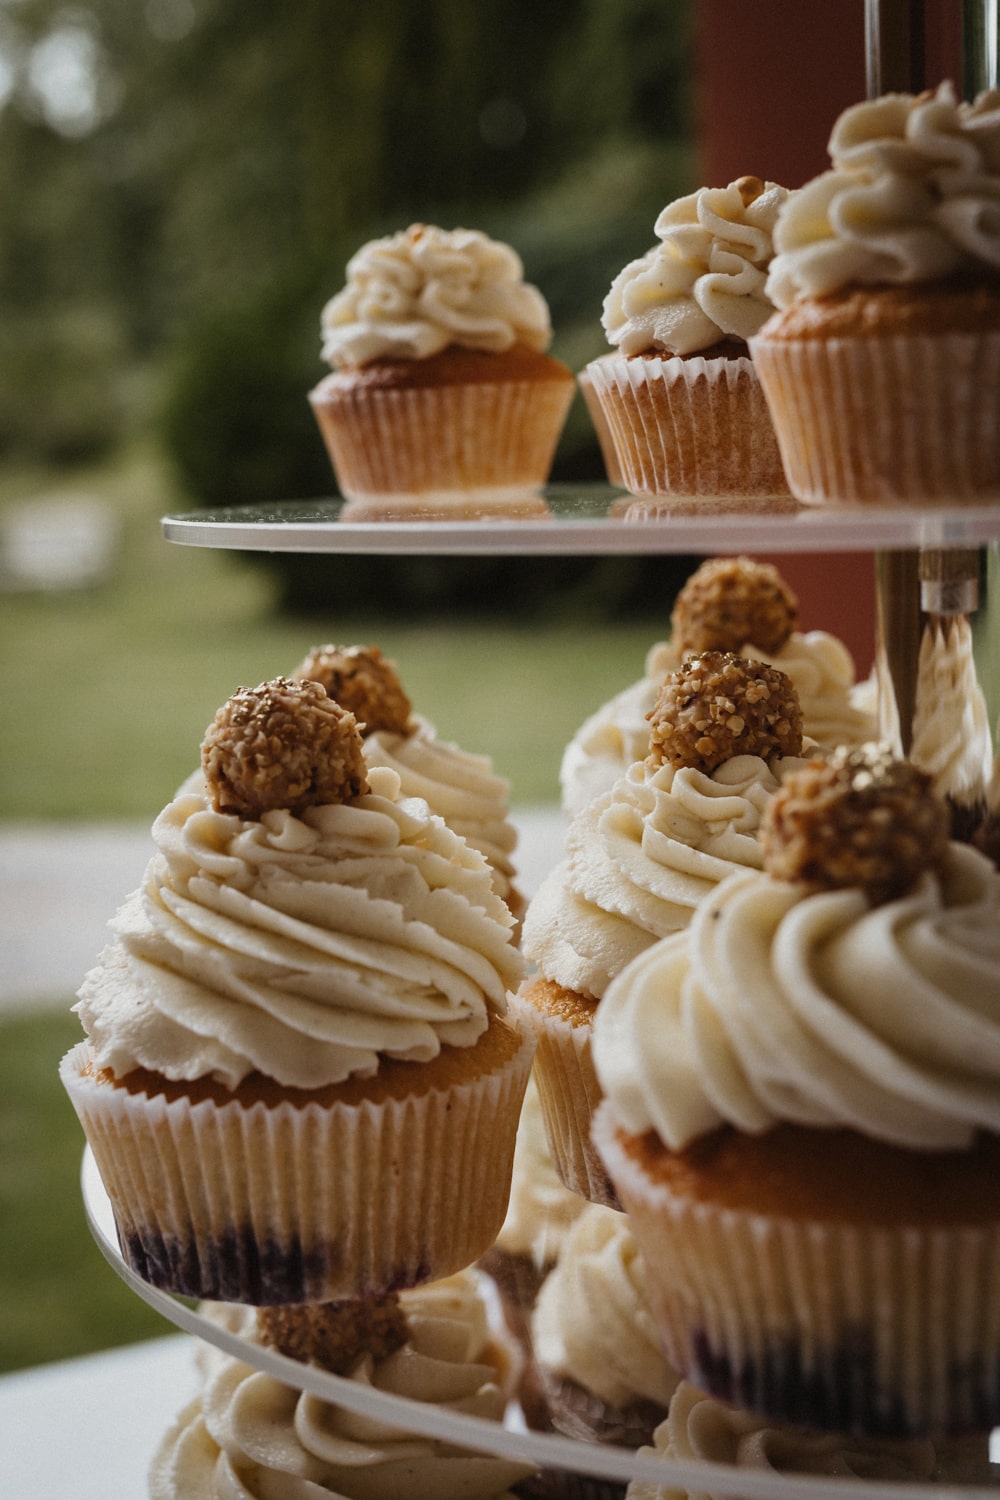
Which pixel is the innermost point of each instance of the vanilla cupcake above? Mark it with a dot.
(442, 396)
(639, 861)
(728, 604)
(680, 394)
(699, 1429)
(298, 1082)
(249, 1435)
(882, 364)
(802, 1116)
(463, 788)
(596, 1342)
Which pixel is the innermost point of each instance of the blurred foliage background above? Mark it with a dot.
(186, 179)
(183, 183)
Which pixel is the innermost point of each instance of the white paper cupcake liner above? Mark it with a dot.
(483, 441)
(686, 427)
(885, 420)
(891, 1331)
(569, 1093)
(270, 1204)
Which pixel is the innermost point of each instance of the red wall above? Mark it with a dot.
(772, 77)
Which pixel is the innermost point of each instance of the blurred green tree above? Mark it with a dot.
(191, 176)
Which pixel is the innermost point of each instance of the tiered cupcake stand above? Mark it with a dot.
(926, 559)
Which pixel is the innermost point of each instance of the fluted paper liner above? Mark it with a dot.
(902, 418)
(691, 426)
(269, 1204)
(892, 1331)
(429, 441)
(569, 1093)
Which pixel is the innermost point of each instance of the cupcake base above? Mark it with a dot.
(462, 423)
(267, 1201)
(689, 427)
(905, 418)
(871, 1325)
(567, 1083)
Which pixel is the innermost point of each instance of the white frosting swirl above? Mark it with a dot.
(704, 282)
(303, 948)
(817, 1009)
(248, 1437)
(463, 788)
(913, 195)
(819, 666)
(541, 1209)
(592, 1323)
(410, 295)
(699, 1428)
(639, 861)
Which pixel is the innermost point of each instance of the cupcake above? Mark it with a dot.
(298, 1081)
(728, 604)
(639, 861)
(680, 394)
(441, 395)
(540, 1214)
(882, 364)
(699, 1429)
(462, 788)
(802, 1115)
(595, 1340)
(249, 1435)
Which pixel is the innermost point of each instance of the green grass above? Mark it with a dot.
(107, 691)
(58, 1294)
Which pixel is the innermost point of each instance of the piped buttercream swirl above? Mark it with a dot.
(249, 1437)
(639, 860)
(699, 1428)
(819, 1010)
(592, 1322)
(705, 280)
(303, 948)
(410, 295)
(913, 195)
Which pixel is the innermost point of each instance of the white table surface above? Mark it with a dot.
(86, 1429)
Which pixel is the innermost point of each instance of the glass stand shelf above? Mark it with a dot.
(583, 519)
(548, 1451)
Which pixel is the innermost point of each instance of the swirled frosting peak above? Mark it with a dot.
(913, 195)
(249, 1437)
(592, 1322)
(705, 280)
(411, 294)
(304, 948)
(640, 859)
(701, 1429)
(821, 1009)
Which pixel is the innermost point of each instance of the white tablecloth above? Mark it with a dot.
(85, 1429)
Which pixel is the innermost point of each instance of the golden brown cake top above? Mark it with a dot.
(362, 680)
(729, 602)
(454, 365)
(717, 705)
(282, 745)
(961, 304)
(335, 1335)
(861, 818)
